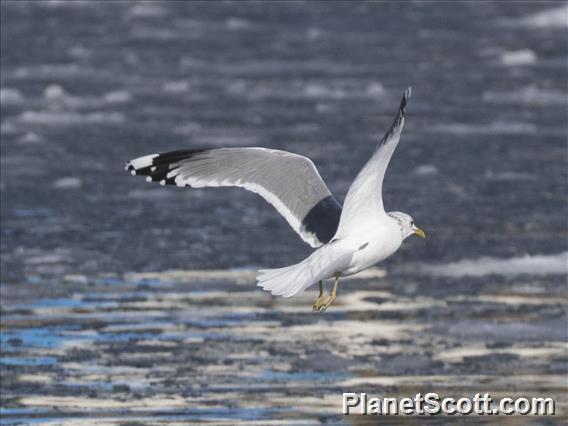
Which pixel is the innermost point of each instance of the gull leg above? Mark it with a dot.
(320, 300)
(332, 296)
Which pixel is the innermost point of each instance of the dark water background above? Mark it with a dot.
(125, 301)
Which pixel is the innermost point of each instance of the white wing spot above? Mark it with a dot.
(141, 162)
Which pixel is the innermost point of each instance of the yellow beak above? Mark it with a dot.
(419, 232)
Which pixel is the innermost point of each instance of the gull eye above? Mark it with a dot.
(412, 223)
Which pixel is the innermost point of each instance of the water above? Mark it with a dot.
(128, 302)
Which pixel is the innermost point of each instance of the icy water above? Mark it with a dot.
(129, 303)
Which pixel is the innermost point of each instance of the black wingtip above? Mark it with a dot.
(399, 119)
(405, 98)
(157, 167)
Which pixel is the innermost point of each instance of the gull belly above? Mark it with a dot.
(378, 242)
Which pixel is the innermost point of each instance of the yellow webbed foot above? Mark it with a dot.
(320, 300)
(322, 303)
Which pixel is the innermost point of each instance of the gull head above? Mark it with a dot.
(406, 224)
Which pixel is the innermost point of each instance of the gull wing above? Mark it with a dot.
(290, 182)
(365, 198)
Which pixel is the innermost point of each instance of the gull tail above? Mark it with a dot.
(287, 281)
(294, 279)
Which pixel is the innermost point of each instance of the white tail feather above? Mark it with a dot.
(294, 279)
(287, 281)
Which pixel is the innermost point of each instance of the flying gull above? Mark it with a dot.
(348, 239)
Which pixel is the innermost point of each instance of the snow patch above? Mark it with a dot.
(518, 57)
(58, 118)
(554, 264)
(314, 33)
(57, 96)
(233, 23)
(375, 89)
(68, 183)
(79, 52)
(426, 170)
(550, 18)
(315, 90)
(175, 86)
(48, 70)
(146, 10)
(497, 127)
(8, 128)
(508, 176)
(30, 138)
(54, 91)
(10, 96)
(528, 95)
(117, 97)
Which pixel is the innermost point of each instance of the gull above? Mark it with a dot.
(347, 239)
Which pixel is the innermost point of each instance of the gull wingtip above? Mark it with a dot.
(405, 98)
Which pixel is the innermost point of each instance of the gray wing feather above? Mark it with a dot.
(290, 182)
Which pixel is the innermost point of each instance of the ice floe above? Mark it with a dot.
(553, 264)
(496, 127)
(531, 95)
(10, 96)
(68, 183)
(61, 118)
(556, 17)
(518, 57)
(426, 170)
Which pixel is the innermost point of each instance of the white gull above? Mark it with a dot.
(348, 239)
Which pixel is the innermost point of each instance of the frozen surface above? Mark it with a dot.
(129, 302)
